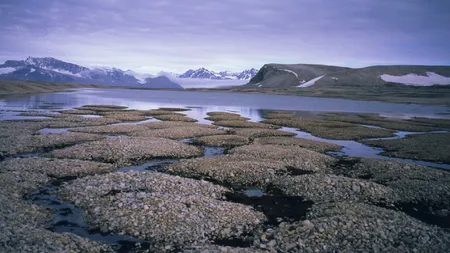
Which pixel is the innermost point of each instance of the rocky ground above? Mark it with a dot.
(317, 146)
(305, 201)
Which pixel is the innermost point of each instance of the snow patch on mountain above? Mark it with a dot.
(139, 76)
(65, 72)
(417, 80)
(7, 70)
(310, 82)
(290, 71)
(203, 73)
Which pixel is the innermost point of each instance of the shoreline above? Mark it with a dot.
(437, 95)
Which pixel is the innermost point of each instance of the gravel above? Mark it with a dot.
(221, 140)
(243, 124)
(127, 115)
(299, 159)
(435, 195)
(178, 133)
(156, 112)
(55, 168)
(237, 170)
(170, 124)
(111, 129)
(102, 108)
(174, 109)
(413, 184)
(253, 133)
(12, 128)
(21, 144)
(357, 227)
(20, 230)
(384, 171)
(317, 146)
(220, 249)
(174, 117)
(165, 209)
(226, 116)
(332, 188)
(78, 121)
(78, 112)
(128, 151)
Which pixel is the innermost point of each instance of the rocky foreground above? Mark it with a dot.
(308, 201)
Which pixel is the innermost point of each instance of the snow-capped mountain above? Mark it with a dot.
(49, 69)
(247, 74)
(203, 73)
(200, 73)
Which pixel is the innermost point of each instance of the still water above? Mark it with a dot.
(248, 105)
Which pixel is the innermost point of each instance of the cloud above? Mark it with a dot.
(173, 36)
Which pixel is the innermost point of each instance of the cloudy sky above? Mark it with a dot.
(175, 35)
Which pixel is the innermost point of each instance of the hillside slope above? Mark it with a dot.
(288, 75)
(315, 76)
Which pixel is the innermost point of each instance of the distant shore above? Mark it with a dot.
(8, 87)
(434, 95)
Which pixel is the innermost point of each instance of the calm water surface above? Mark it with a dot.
(248, 105)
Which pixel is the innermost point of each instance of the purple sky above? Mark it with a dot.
(170, 35)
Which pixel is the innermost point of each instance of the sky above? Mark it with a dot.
(175, 35)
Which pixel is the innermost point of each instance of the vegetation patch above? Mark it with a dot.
(332, 129)
(429, 147)
(439, 123)
(375, 120)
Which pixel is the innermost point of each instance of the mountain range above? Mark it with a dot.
(49, 69)
(203, 73)
(307, 75)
